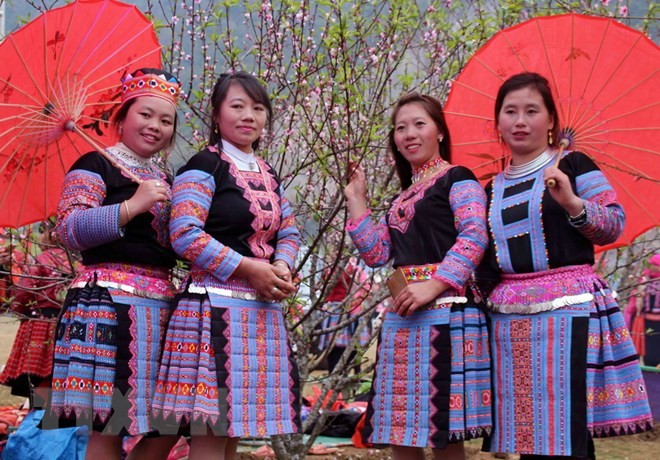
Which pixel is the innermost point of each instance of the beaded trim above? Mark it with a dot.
(550, 305)
(517, 171)
(128, 157)
(123, 287)
(428, 169)
(529, 293)
(420, 272)
(143, 281)
(443, 302)
(450, 299)
(425, 272)
(150, 84)
(196, 289)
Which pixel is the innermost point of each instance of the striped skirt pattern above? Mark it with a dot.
(227, 367)
(432, 380)
(106, 360)
(565, 375)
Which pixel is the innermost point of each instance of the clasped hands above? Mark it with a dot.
(273, 282)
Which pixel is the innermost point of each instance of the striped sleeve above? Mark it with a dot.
(288, 236)
(468, 203)
(191, 200)
(605, 217)
(371, 240)
(82, 221)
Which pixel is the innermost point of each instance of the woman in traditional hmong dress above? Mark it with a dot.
(431, 386)
(565, 370)
(227, 370)
(108, 338)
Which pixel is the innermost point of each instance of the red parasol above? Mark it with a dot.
(605, 79)
(59, 87)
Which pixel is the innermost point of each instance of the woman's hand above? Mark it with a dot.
(356, 191)
(562, 192)
(264, 278)
(148, 193)
(418, 294)
(282, 271)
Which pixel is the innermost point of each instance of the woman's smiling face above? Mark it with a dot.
(416, 135)
(240, 119)
(148, 126)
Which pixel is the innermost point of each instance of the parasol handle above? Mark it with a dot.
(71, 126)
(563, 144)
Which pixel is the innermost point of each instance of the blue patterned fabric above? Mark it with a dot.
(106, 360)
(432, 379)
(86, 228)
(227, 365)
(566, 375)
(531, 191)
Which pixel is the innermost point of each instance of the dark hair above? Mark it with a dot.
(433, 108)
(252, 87)
(534, 81)
(121, 114)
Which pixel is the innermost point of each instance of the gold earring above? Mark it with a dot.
(550, 137)
(439, 139)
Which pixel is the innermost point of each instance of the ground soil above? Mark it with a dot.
(644, 446)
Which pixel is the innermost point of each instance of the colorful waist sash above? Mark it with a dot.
(418, 273)
(530, 293)
(140, 280)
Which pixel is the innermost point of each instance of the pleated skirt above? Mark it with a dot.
(227, 369)
(107, 348)
(432, 382)
(566, 374)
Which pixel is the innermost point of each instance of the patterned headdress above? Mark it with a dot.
(145, 83)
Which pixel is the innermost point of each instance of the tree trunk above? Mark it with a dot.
(289, 446)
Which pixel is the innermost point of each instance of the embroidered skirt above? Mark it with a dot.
(31, 359)
(432, 379)
(107, 347)
(567, 370)
(227, 367)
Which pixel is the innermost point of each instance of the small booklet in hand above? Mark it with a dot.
(396, 282)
